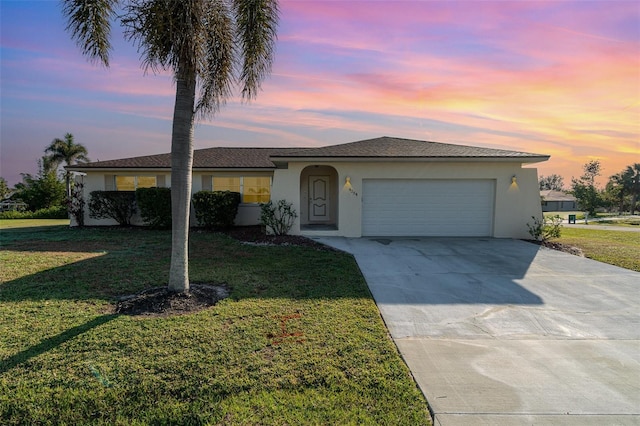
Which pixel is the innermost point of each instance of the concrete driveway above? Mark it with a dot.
(504, 332)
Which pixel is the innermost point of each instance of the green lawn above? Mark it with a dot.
(620, 248)
(627, 222)
(31, 223)
(299, 341)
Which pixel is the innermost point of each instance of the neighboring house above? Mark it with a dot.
(377, 187)
(557, 201)
(10, 205)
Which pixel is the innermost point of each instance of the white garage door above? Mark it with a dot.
(427, 207)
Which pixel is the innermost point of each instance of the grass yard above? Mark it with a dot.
(618, 248)
(31, 223)
(299, 341)
(629, 221)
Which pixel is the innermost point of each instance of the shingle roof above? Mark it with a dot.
(388, 147)
(209, 158)
(261, 158)
(551, 195)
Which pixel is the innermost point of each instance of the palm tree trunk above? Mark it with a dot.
(181, 163)
(67, 177)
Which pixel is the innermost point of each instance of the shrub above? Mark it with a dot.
(216, 209)
(279, 218)
(117, 205)
(545, 229)
(155, 206)
(56, 212)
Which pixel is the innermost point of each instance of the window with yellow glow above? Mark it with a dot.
(146, 181)
(226, 184)
(130, 183)
(125, 183)
(256, 189)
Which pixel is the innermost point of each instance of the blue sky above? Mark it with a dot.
(558, 78)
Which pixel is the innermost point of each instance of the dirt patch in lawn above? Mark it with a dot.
(160, 301)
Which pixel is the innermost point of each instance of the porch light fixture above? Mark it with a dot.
(514, 180)
(348, 187)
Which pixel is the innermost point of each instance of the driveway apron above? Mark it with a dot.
(505, 332)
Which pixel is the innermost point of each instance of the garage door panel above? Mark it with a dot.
(427, 207)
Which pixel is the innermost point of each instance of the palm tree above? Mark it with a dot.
(632, 175)
(64, 151)
(618, 186)
(208, 45)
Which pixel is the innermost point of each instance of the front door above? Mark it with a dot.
(318, 198)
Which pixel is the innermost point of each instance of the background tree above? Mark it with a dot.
(64, 152)
(614, 193)
(624, 187)
(633, 172)
(209, 46)
(42, 191)
(552, 182)
(4, 189)
(584, 188)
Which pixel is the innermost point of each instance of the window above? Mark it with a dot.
(254, 189)
(226, 184)
(130, 183)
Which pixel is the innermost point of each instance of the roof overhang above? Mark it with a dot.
(76, 168)
(534, 159)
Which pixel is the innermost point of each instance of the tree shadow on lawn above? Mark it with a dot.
(104, 271)
(51, 343)
(129, 261)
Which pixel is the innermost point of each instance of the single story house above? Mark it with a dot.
(377, 187)
(558, 201)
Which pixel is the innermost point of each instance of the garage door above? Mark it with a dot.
(427, 207)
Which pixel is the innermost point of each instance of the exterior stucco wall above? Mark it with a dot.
(248, 214)
(515, 204)
(559, 206)
(97, 182)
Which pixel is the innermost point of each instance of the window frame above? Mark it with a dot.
(242, 186)
(135, 182)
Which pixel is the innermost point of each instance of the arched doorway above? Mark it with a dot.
(319, 198)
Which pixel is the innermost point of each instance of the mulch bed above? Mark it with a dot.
(160, 301)
(255, 235)
(559, 246)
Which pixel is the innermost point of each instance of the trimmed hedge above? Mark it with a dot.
(216, 209)
(117, 205)
(57, 212)
(155, 206)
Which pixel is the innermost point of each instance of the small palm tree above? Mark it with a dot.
(64, 151)
(632, 178)
(208, 45)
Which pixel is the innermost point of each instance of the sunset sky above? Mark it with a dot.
(559, 78)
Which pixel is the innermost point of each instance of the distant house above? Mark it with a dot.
(11, 205)
(558, 201)
(378, 187)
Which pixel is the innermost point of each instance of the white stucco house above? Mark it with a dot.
(378, 187)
